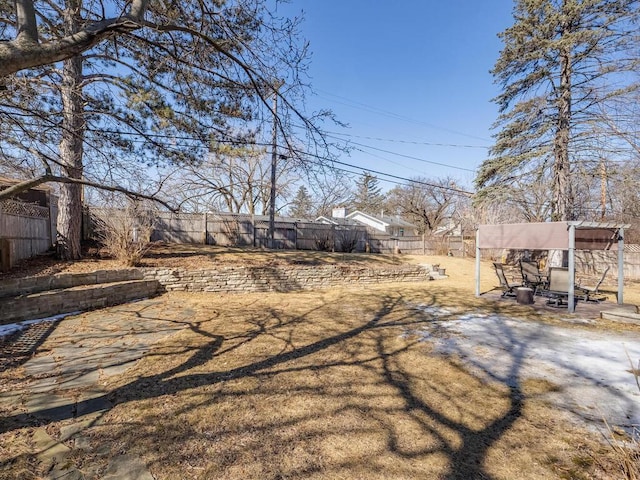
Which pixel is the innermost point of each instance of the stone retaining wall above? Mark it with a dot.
(84, 297)
(39, 297)
(281, 279)
(28, 285)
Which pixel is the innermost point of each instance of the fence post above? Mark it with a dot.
(253, 229)
(5, 254)
(53, 218)
(204, 228)
(333, 238)
(424, 244)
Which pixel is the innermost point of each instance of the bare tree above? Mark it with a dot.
(231, 179)
(427, 203)
(330, 188)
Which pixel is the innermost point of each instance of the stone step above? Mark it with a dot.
(435, 271)
(44, 304)
(621, 315)
(28, 285)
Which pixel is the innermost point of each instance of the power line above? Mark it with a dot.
(385, 113)
(411, 157)
(410, 142)
(404, 179)
(244, 142)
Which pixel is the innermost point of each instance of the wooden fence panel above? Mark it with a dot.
(179, 228)
(27, 227)
(351, 239)
(413, 246)
(284, 235)
(462, 246)
(594, 262)
(380, 244)
(315, 236)
(230, 230)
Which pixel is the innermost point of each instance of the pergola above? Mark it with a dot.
(570, 236)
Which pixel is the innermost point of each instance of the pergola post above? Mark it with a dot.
(620, 265)
(477, 262)
(572, 269)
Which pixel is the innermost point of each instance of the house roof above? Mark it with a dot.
(336, 221)
(388, 220)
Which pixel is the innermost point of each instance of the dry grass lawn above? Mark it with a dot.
(328, 385)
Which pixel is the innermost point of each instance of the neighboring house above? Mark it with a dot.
(338, 217)
(386, 224)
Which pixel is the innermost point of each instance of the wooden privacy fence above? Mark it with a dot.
(240, 230)
(248, 231)
(25, 230)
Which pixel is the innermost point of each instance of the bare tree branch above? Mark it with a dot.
(34, 182)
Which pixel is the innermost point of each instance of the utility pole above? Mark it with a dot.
(274, 158)
(603, 189)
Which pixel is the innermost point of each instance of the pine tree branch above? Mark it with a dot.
(26, 50)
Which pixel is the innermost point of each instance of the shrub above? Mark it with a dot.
(347, 240)
(125, 233)
(324, 243)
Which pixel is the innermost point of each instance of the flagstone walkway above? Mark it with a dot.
(65, 378)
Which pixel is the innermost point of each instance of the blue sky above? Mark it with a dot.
(407, 71)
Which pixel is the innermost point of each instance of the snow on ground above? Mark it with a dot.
(591, 368)
(6, 330)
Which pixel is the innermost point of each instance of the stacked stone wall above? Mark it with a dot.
(84, 297)
(28, 285)
(280, 279)
(38, 297)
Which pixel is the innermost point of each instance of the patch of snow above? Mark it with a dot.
(434, 310)
(591, 368)
(6, 330)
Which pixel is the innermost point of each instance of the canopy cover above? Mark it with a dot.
(553, 235)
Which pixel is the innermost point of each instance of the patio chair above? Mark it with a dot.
(592, 294)
(558, 289)
(508, 289)
(532, 276)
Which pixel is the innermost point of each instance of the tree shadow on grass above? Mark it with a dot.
(467, 453)
(355, 374)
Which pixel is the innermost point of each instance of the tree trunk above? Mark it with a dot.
(562, 204)
(71, 148)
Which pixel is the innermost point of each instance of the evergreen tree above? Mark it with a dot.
(563, 63)
(302, 205)
(368, 197)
